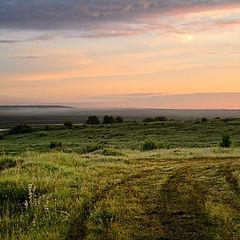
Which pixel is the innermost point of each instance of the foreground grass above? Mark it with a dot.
(161, 194)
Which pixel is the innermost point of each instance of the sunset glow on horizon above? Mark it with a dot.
(82, 51)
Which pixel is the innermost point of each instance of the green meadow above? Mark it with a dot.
(161, 180)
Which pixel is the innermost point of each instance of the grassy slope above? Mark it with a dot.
(175, 134)
(180, 193)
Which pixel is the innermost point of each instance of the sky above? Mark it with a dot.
(121, 53)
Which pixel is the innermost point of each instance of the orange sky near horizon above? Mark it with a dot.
(191, 52)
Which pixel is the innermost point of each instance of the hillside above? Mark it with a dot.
(96, 182)
(56, 114)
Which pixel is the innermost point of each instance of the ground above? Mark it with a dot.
(114, 190)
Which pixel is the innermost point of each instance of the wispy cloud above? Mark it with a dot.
(98, 18)
(27, 57)
(38, 37)
(10, 41)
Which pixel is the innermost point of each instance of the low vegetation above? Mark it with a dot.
(22, 128)
(93, 120)
(159, 180)
(68, 124)
(55, 145)
(155, 119)
(226, 140)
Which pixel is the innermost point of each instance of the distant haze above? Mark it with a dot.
(141, 100)
(41, 115)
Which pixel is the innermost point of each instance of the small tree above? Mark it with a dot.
(108, 119)
(119, 119)
(93, 120)
(68, 124)
(226, 140)
(204, 119)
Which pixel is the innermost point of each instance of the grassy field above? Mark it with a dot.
(96, 182)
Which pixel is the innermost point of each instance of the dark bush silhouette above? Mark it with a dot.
(68, 124)
(108, 119)
(149, 119)
(7, 163)
(54, 144)
(22, 128)
(47, 127)
(227, 120)
(226, 140)
(161, 119)
(93, 120)
(204, 119)
(156, 119)
(119, 119)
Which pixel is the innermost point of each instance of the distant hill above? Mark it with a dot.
(34, 110)
(57, 114)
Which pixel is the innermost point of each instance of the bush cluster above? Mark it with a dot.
(226, 140)
(156, 119)
(68, 124)
(93, 120)
(7, 163)
(204, 119)
(22, 128)
(88, 148)
(107, 119)
(55, 145)
(151, 144)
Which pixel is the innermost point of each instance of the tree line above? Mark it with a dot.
(107, 119)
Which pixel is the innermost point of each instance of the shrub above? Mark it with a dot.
(156, 119)
(22, 128)
(149, 144)
(226, 140)
(7, 163)
(55, 144)
(93, 120)
(111, 152)
(108, 119)
(47, 127)
(68, 124)
(42, 134)
(119, 119)
(204, 119)
(1, 137)
(161, 119)
(197, 121)
(227, 120)
(149, 119)
(90, 148)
